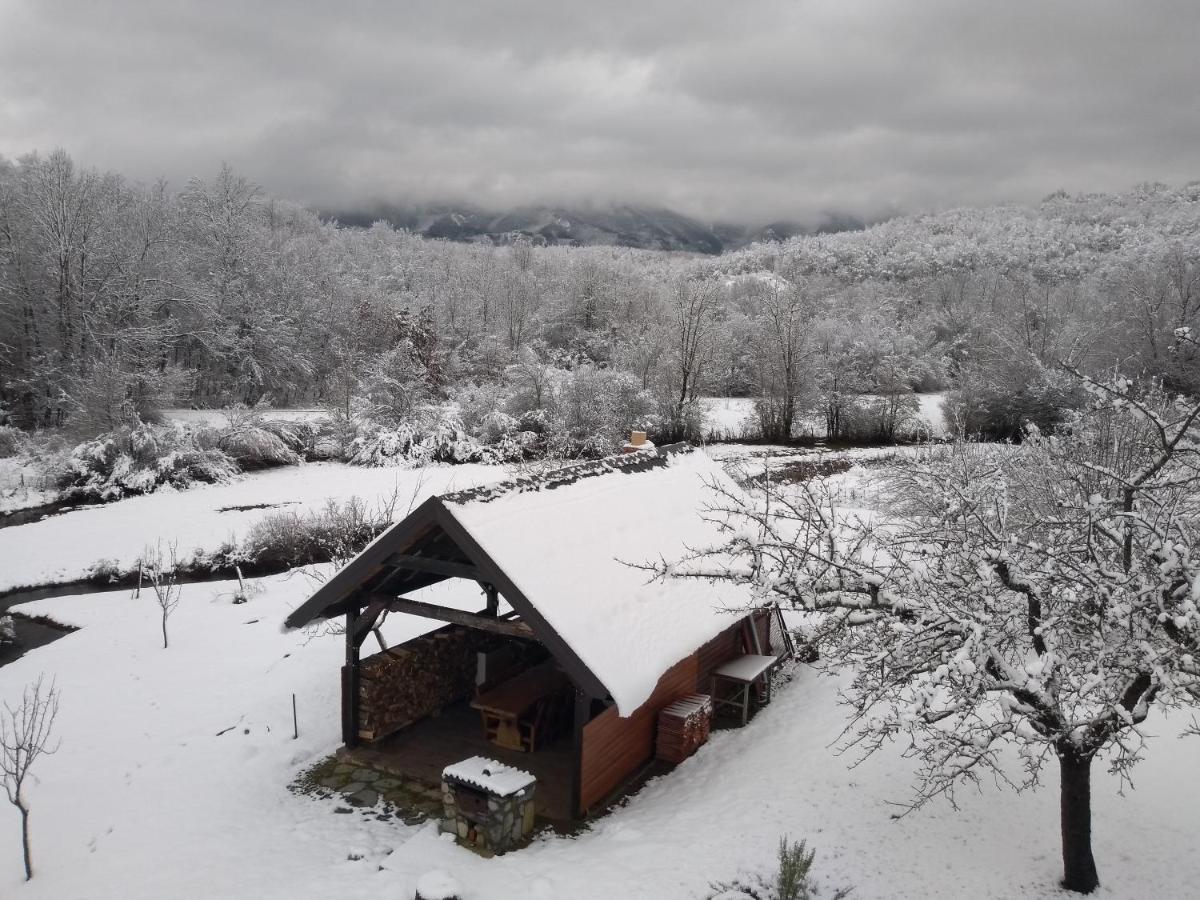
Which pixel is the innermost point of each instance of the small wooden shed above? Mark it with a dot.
(562, 611)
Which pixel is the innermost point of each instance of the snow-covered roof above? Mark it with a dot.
(569, 549)
(562, 547)
(489, 775)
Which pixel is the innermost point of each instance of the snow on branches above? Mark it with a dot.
(1043, 595)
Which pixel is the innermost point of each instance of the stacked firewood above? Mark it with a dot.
(415, 679)
(682, 727)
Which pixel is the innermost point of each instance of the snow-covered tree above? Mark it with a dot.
(1041, 596)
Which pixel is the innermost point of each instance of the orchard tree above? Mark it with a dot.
(25, 735)
(1040, 596)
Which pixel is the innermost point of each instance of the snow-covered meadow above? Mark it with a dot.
(171, 779)
(733, 418)
(65, 547)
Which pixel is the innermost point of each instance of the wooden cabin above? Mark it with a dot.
(571, 650)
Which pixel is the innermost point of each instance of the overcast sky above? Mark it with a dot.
(738, 110)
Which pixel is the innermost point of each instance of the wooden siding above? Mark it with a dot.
(724, 647)
(730, 643)
(614, 748)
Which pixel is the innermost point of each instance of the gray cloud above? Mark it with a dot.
(748, 110)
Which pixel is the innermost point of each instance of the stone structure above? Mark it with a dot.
(487, 804)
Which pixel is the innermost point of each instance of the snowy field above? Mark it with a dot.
(171, 780)
(63, 548)
(23, 484)
(146, 800)
(732, 418)
(219, 417)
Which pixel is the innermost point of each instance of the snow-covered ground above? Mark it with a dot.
(221, 417)
(732, 418)
(932, 415)
(150, 796)
(728, 418)
(171, 780)
(23, 484)
(63, 548)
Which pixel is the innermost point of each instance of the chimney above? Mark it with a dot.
(637, 441)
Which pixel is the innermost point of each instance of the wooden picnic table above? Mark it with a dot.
(516, 712)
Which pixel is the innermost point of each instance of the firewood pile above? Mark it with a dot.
(682, 727)
(415, 679)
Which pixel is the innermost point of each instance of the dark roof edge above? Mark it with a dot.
(350, 577)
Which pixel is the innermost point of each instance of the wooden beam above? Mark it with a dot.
(493, 599)
(583, 710)
(457, 617)
(435, 566)
(367, 620)
(350, 684)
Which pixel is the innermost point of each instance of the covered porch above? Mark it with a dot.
(560, 656)
(423, 749)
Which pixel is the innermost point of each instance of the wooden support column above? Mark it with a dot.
(493, 599)
(350, 683)
(583, 712)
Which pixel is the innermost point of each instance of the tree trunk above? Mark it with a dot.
(164, 629)
(25, 840)
(1079, 868)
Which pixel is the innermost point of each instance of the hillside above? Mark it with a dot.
(642, 228)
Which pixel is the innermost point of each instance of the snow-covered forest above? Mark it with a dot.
(1017, 588)
(476, 451)
(119, 299)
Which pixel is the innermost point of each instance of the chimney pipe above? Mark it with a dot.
(637, 441)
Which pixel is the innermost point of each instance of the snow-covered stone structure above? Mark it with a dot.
(487, 803)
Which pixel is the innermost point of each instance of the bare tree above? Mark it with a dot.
(691, 317)
(161, 572)
(24, 736)
(784, 323)
(1042, 596)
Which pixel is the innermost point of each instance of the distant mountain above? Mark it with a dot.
(644, 228)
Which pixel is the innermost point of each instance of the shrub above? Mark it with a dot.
(997, 404)
(140, 459)
(253, 443)
(792, 879)
(11, 440)
(795, 861)
(436, 434)
(312, 439)
(335, 533)
(879, 417)
(595, 409)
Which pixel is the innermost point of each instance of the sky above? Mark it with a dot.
(741, 110)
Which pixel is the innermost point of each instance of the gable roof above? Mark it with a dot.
(558, 546)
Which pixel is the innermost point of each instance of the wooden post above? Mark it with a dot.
(350, 684)
(493, 599)
(583, 710)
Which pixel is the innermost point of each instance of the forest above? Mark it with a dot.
(118, 299)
